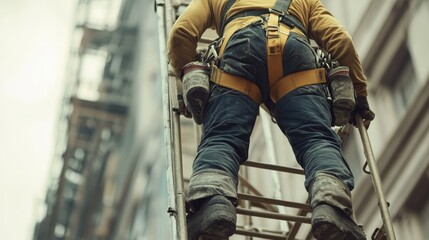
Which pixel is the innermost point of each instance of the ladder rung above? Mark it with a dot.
(272, 215)
(261, 234)
(243, 196)
(255, 233)
(273, 167)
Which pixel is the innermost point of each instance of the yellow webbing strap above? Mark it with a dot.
(233, 27)
(296, 80)
(275, 42)
(237, 83)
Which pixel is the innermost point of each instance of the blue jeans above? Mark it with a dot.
(303, 115)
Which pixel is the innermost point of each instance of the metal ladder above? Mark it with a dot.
(252, 202)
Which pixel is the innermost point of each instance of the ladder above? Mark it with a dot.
(257, 213)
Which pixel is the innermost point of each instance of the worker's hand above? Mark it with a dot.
(182, 107)
(362, 108)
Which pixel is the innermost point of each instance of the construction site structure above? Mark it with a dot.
(109, 175)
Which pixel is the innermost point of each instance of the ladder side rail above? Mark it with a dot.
(178, 175)
(160, 9)
(375, 176)
(176, 209)
(181, 226)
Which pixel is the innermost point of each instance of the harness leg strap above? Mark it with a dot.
(237, 83)
(296, 80)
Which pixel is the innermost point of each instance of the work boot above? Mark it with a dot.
(332, 214)
(196, 89)
(215, 219)
(330, 223)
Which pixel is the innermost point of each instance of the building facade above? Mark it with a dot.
(391, 41)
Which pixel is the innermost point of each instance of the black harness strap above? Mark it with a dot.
(286, 18)
(223, 16)
(280, 6)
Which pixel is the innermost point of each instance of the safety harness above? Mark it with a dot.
(278, 25)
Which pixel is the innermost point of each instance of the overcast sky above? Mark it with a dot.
(34, 44)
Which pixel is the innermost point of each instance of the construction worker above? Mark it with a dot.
(266, 58)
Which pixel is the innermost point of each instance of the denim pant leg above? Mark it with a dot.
(228, 123)
(304, 117)
(229, 119)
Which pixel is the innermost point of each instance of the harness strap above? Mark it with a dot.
(237, 83)
(282, 5)
(231, 30)
(296, 80)
(275, 43)
(278, 90)
(225, 9)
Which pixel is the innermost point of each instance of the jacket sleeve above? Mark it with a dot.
(186, 32)
(329, 34)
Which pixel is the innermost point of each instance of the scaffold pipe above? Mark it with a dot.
(375, 176)
(171, 130)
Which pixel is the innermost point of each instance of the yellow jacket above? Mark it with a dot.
(321, 26)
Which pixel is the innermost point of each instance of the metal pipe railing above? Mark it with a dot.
(375, 176)
(176, 200)
(178, 178)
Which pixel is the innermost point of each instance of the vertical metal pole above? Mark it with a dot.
(172, 135)
(375, 178)
(178, 178)
(160, 9)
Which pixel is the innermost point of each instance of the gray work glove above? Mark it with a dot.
(362, 108)
(182, 107)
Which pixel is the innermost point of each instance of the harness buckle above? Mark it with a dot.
(211, 54)
(217, 42)
(275, 11)
(272, 31)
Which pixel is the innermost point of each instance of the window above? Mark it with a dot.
(99, 13)
(405, 86)
(413, 221)
(91, 74)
